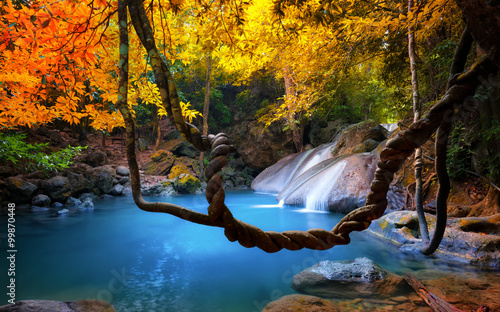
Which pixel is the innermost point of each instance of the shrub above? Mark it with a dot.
(32, 157)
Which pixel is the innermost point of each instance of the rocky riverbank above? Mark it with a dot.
(362, 285)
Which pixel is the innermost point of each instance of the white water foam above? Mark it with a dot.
(278, 205)
(317, 198)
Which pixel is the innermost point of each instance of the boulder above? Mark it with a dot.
(7, 171)
(336, 184)
(123, 171)
(324, 132)
(159, 163)
(95, 158)
(21, 191)
(295, 303)
(86, 197)
(258, 147)
(41, 200)
(117, 190)
(356, 134)
(366, 146)
(73, 202)
(63, 212)
(58, 188)
(186, 183)
(185, 149)
(51, 306)
(172, 135)
(276, 177)
(164, 188)
(79, 184)
(86, 205)
(142, 144)
(101, 178)
(349, 279)
(124, 180)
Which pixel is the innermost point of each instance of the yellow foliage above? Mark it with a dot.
(177, 170)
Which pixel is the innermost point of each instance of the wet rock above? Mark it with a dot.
(51, 306)
(39, 209)
(101, 178)
(79, 184)
(41, 200)
(338, 185)
(86, 205)
(358, 278)
(123, 171)
(278, 176)
(63, 212)
(73, 201)
(117, 190)
(159, 163)
(86, 197)
(466, 239)
(165, 188)
(58, 188)
(21, 191)
(296, 303)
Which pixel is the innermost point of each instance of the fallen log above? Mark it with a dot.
(435, 303)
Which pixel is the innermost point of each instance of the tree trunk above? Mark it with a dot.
(290, 98)
(483, 21)
(157, 127)
(417, 165)
(206, 105)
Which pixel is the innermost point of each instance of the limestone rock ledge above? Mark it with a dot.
(52, 306)
(475, 239)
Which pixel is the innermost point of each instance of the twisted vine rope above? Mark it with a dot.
(391, 158)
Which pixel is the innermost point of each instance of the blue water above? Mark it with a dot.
(141, 261)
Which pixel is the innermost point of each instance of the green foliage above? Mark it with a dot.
(459, 154)
(491, 164)
(364, 94)
(144, 113)
(219, 115)
(32, 157)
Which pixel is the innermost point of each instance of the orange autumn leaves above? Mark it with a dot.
(54, 64)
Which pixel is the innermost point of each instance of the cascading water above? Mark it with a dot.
(317, 198)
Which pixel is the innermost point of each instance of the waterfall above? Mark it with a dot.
(318, 198)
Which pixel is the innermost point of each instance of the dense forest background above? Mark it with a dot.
(261, 63)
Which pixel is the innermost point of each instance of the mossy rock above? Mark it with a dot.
(160, 163)
(186, 183)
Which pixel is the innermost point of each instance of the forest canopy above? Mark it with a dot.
(341, 59)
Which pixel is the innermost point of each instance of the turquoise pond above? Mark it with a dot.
(141, 261)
